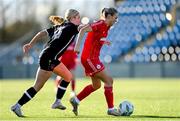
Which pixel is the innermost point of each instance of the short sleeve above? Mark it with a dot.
(96, 26)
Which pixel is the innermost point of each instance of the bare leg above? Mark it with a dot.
(41, 77)
(66, 75)
(63, 72)
(108, 81)
(96, 83)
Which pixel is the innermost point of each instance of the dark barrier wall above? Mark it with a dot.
(163, 69)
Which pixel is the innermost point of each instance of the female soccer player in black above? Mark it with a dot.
(61, 36)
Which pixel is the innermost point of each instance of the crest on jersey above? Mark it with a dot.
(98, 66)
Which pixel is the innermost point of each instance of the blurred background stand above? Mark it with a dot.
(145, 40)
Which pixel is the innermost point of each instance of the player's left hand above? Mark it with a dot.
(105, 42)
(81, 26)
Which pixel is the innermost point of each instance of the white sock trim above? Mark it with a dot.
(63, 88)
(28, 95)
(110, 109)
(77, 100)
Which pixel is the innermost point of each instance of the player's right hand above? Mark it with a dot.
(26, 48)
(76, 51)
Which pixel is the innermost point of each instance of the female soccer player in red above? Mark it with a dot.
(97, 32)
(60, 37)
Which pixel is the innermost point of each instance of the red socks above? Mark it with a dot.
(85, 92)
(107, 92)
(73, 85)
(109, 96)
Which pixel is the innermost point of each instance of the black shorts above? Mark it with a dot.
(47, 61)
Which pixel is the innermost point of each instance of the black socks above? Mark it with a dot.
(28, 95)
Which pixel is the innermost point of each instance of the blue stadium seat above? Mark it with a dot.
(138, 20)
(165, 47)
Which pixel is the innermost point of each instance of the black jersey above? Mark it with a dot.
(60, 37)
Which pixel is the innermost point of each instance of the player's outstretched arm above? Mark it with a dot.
(82, 31)
(37, 37)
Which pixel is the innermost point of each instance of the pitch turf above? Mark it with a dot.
(153, 99)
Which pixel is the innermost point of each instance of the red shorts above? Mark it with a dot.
(92, 66)
(69, 59)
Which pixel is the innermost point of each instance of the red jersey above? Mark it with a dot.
(93, 43)
(69, 58)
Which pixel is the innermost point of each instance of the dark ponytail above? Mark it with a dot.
(108, 11)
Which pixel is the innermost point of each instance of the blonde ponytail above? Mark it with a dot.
(56, 20)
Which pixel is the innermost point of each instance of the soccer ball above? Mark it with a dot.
(126, 108)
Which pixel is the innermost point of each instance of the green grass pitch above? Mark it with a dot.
(153, 99)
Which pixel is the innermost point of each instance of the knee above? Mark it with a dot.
(37, 87)
(97, 86)
(109, 81)
(69, 77)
